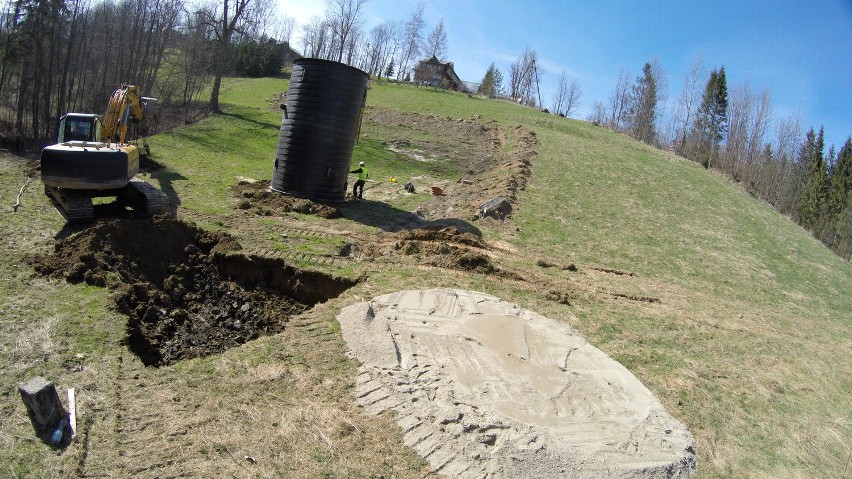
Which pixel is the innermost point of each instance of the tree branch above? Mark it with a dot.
(21, 193)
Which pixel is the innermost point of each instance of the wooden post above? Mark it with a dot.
(43, 405)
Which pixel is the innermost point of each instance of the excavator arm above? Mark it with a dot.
(124, 104)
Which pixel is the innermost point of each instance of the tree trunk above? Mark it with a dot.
(214, 93)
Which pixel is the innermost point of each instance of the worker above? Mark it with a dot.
(358, 189)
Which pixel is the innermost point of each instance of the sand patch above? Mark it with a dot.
(484, 388)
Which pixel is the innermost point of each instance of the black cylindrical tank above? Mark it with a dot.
(322, 115)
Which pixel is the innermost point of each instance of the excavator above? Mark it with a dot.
(93, 158)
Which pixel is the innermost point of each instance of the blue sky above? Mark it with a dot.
(800, 51)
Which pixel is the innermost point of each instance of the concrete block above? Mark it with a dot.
(43, 404)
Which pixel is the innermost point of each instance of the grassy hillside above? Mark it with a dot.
(749, 343)
(735, 317)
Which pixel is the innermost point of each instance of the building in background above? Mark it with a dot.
(433, 72)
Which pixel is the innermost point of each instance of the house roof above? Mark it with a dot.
(447, 68)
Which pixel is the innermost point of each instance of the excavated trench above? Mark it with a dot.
(187, 292)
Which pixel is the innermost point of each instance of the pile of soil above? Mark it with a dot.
(185, 291)
(445, 235)
(128, 251)
(257, 196)
(445, 248)
(496, 160)
(442, 247)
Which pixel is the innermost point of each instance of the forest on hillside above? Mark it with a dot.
(69, 55)
(60, 56)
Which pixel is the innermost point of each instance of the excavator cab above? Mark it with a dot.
(79, 127)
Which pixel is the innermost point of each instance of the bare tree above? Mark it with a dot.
(344, 16)
(192, 62)
(759, 126)
(762, 160)
(77, 10)
(561, 94)
(740, 106)
(231, 17)
(515, 79)
(436, 42)
(566, 100)
(413, 38)
(687, 103)
(618, 101)
(523, 76)
(572, 102)
(316, 38)
(383, 43)
(281, 28)
(599, 114)
(789, 133)
(748, 117)
(53, 61)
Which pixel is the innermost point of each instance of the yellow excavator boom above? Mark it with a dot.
(124, 104)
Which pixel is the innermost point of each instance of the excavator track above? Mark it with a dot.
(144, 197)
(74, 205)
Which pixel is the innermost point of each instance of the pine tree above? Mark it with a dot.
(844, 231)
(839, 197)
(711, 124)
(721, 104)
(492, 83)
(486, 86)
(498, 83)
(809, 208)
(643, 105)
(389, 71)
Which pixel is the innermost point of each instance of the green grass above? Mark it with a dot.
(382, 163)
(203, 161)
(750, 343)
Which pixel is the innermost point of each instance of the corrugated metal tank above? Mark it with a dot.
(322, 115)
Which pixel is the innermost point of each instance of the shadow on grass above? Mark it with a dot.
(208, 137)
(119, 209)
(115, 209)
(249, 119)
(167, 179)
(387, 218)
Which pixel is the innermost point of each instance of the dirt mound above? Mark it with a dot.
(447, 235)
(128, 251)
(445, 248)
(257, 196)
(445, 255)
(186, 294)
(495, 160)
(442, 247)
